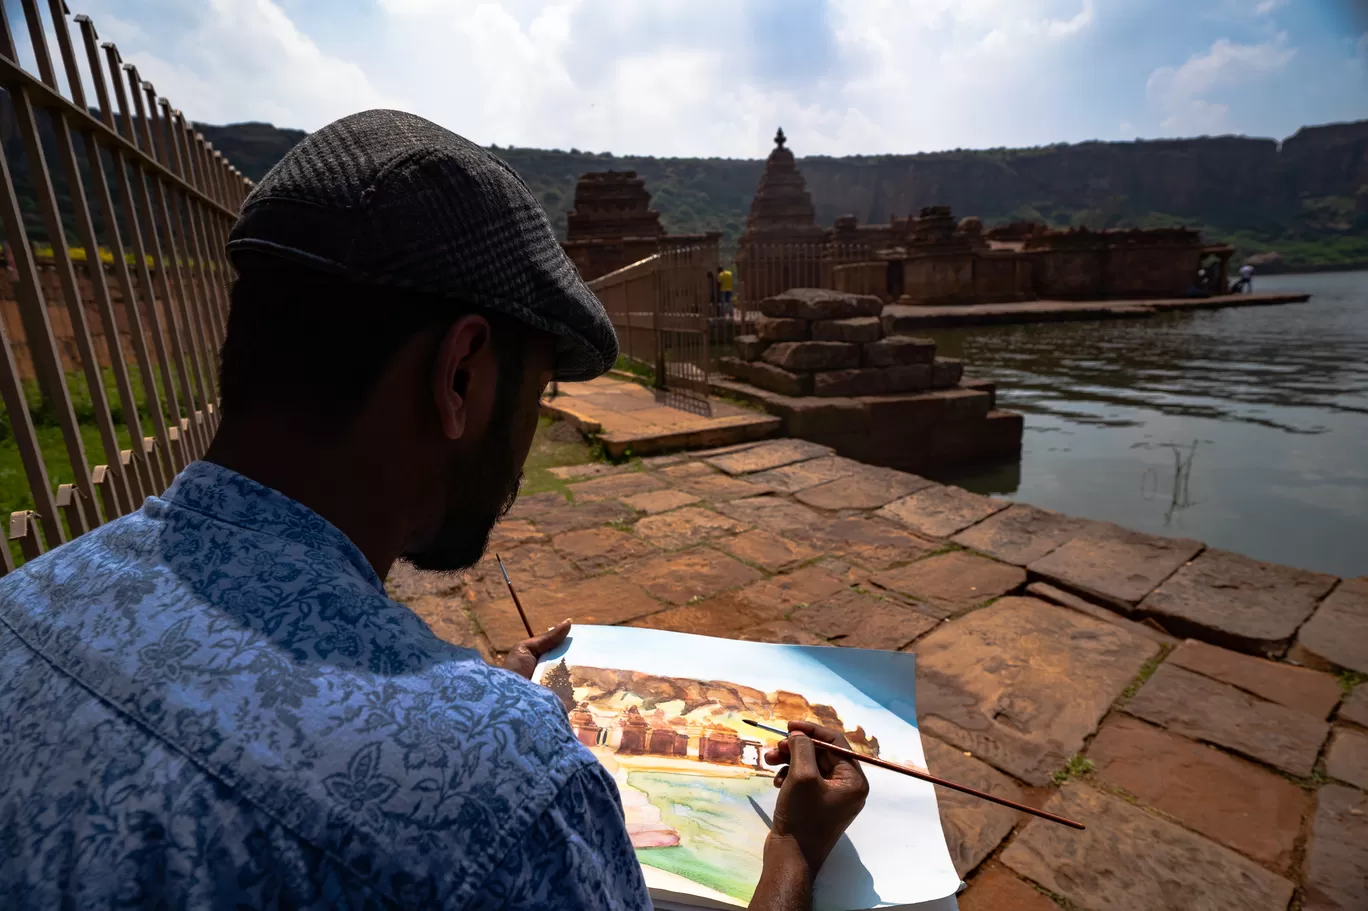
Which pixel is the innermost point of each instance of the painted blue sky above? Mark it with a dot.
(714, 77)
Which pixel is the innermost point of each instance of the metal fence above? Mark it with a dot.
(149, 203)
(766, 269)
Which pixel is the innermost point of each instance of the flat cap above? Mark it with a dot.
(389, 199)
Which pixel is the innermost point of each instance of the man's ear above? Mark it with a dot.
(463, 342)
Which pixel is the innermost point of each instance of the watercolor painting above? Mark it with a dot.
(663, 712)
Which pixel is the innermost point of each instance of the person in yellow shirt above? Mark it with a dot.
(724, 283)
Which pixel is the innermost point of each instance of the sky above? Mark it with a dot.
(715, 77)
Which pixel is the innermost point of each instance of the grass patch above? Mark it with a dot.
(1146, 672)
(1077, 767)
(548, 453)
(1350, 679)
(636, 368)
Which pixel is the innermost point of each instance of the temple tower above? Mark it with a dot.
(780, 248)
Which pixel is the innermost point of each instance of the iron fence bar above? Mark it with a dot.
(30, 537)
(202, 233)
(216, 238)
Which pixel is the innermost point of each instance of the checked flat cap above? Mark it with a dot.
(389, 199)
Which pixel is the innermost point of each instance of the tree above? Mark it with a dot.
(557, 680)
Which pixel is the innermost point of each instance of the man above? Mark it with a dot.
(1246, 282)
(211, 703)
(724, 282)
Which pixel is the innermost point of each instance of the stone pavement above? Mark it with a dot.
(905, 319)
(1049, 664)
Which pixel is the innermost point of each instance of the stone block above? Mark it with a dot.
(1020, 533)
(1298, 688)
(869, 488)
(948, 584)
(811, 417)
(1229, 800)
(863, 621)
(689, 525)
(898, 351)
(1205, 709)
(907, 378)
(813, 355)
(1337, 853)
(605, 600)
(660, 500)
(1022, 684)
(998, 434)
(1235, 601)
(767, 376)
(777, 514)
(780, 632)
(802, 475)
(1048, 592)
(925, 409)
(1355, 707)
(1347, 758)
(871, 543)
(996, 888)
(769, 329)
(1337, 633)
(768, 455)
(860, 329)
(817, 303)
(750, 347)
(773, 552)
(694, 574)
(1132, 860)
(1115, 566)
(850, 382)
(947, 372)
(618, 485)
(977, 385)
(724, 616)
(589, 470)
(973, 827)
(792, 590)
(942, 510)
(594, 550)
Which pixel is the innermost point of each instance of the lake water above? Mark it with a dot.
(1245, 428)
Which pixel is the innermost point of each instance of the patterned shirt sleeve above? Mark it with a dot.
(576, 857)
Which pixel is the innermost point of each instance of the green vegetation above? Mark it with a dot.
(549, 452)
(1146, 672)
(1077, 767)
(1350, 679)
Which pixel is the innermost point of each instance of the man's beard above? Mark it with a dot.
(484, 490)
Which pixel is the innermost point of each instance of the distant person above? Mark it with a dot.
(724, 283)
(1199, 286)
(212, 703)
(1246, 282)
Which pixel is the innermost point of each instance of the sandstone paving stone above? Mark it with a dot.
(530, 508)
(406, 583)
(448, 620)
(941, 511)
(1020, 533)
(780, 631)
(679, 578)
(557, 515)
(866, 488)
(1113, 565)
(777, 514)
(852, 381)
(677, 471)
(767, 455)
(951, 583)
(1206, 709)
(898, 351)
(802, 475)
(724, 616)
(792, 590)
(1347, 758)
(1235, 601)
(1337, 633)
(594, 550)
(858, 620)
(533, 564)
(1355, 707)
(716, 487)
(603, 600)
(589, 470)
(1337, 852)
(660, 500)
(1021, 683)
(817, 303)
(1313, 692)
(996, 888)
(1131, 860)
(621, 485)
(777, 329)
(812, 355)
(1048, 592)
(973, 827)
(512, 532)
(856, 329)
(872, 543)
(767, 376)
(763, 548)
(684, 526)
(1227, 799)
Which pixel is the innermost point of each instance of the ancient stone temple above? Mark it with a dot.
(613, 225)
(770, 256)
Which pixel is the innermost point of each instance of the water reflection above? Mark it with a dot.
(1274, 399)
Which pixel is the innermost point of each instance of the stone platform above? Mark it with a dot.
(1048, 666)
(628, 418)
(902, 319)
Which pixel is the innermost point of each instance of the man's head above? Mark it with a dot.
(400, 291)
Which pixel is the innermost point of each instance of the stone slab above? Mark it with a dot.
(858, 329)
(851, 382)
(528, 566)
(1337, 633)
(1021, 534)
(810, 473)
(750, 347)
(602, 600)
(868, 542)
(1355, 707)
(1021, 684)
(589, 470)
(1300, 688)
(724, 616)
(1115, 566)
(820, 417)
(682, 466)
(973, 827)
(1337, 853)
(1047, 592)
(817, 303)
(790, 591)
(693, 575)
(1232, 600)
(766, 549)
(951, 583)
(656, 501)
(941, 511)
(1229, 800)
(897, 351)
(777, 514)
(797, 356)
(767, 456)
(996, 888)
(767, 376)
(407, 583)
(685, 526)
(782, 632)
(912, 414)
(1215, 712)
(1347, 758)
(773, 329)
(869, 488)
(448, 620)
(947, 373)
(555, 515)
(720, 488)
(858, 620)
(1131, 860)
(595, 550)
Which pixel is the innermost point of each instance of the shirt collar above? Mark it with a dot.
(236, 499)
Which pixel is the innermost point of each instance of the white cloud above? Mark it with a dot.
(1267, 6)
(1181, 93)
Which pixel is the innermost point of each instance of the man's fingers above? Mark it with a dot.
(802, 755)
(817, 732)
(522, 660)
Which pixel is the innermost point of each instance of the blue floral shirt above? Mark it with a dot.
(211, 703)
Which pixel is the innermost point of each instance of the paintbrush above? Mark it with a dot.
(923, 776)
(516, 603)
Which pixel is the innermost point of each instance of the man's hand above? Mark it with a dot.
(525, 655)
